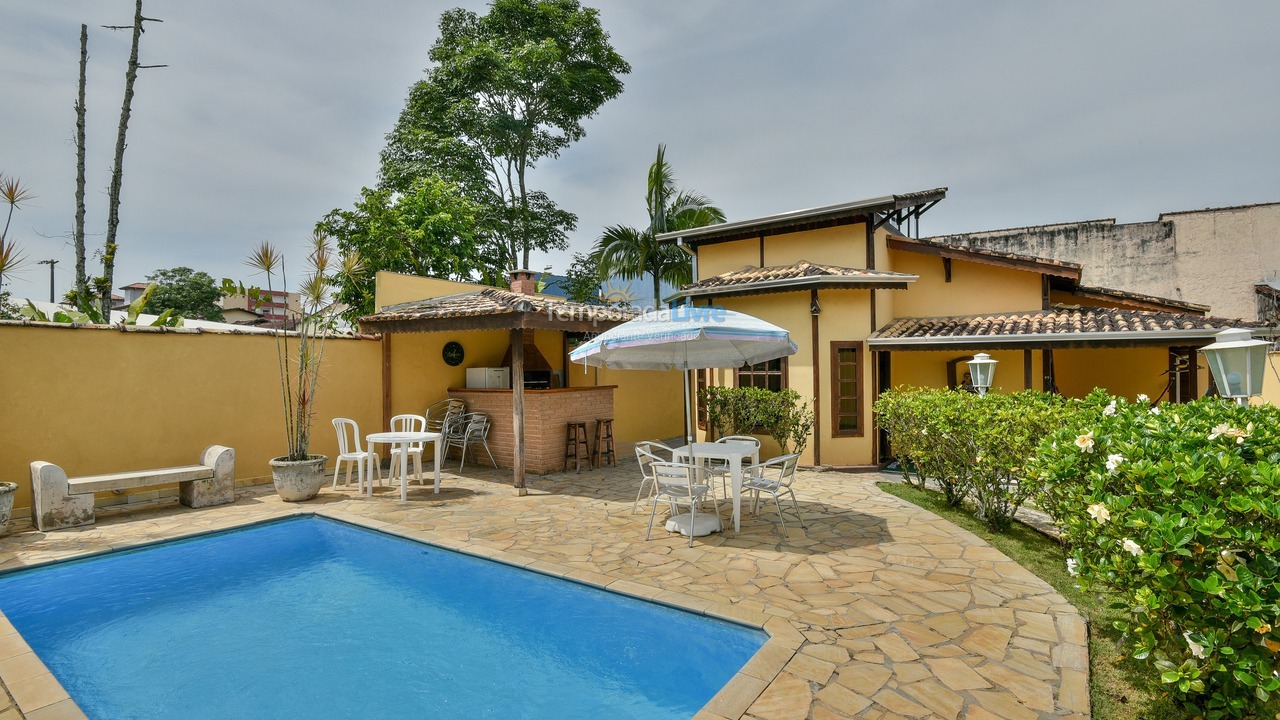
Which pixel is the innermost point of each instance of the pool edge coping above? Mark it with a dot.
(42, 693)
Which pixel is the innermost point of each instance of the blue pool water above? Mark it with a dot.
(311, 618)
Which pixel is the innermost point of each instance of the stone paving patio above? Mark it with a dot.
(879, 610)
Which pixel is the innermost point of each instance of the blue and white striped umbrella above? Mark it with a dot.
(686, 338)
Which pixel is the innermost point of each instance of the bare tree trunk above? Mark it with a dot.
(81, 280)
(113, 193)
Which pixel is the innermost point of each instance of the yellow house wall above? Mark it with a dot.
(1121, 371)
(929, 369)
(96, 401)
(1270, 383)
(974, 288)
(395, 288)
(725, 257)
(844, 246)
(419, 374)
(846, 316)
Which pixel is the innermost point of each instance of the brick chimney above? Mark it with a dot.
(524, 282)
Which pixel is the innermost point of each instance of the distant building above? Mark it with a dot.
(1220, 257)
(275, 306)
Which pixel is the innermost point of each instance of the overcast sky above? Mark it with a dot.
(270, 114)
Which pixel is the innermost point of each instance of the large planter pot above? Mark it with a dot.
(298, 480)
(7, 489)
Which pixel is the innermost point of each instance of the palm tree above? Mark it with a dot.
(12, 193)
(629, 253)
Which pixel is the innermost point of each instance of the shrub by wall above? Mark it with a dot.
(973, 446)
(1177, 508)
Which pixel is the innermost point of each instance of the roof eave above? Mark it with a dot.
(795, 220)
(1110, 337)
(805, 283)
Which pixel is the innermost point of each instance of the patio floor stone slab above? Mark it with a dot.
(878, 610)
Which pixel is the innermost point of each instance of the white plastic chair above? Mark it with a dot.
(774, 477)
(349, 452)
(676, 486)
(407, 423)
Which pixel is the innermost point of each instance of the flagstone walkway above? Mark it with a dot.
(878, 610)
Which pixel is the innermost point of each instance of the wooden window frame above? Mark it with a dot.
(860, 356)
(700, 407)
(782, 373)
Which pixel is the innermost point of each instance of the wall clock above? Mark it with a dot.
(452, 353)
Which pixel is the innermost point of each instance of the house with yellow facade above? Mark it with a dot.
(872, 307)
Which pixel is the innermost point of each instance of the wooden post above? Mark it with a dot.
(517, 406)
(814, 310)
(386, 380)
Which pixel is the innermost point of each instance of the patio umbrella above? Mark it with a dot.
(686, 338)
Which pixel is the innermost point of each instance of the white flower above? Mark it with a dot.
(1131, 547)
(1072, 567)
(1225, 430)
(1110, 409)
(1197, 650)
(1113, 462)
(1099, 512)
(1085, 442)
(1142, 398)
(1155, 410)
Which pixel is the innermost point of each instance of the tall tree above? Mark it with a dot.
(431, 229)
(508, 89)
(104, 283)
(81, 285)
(188, 293)
(630, 253)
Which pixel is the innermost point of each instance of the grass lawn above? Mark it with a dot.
(1121, 688)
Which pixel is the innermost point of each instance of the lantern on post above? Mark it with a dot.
(981, 371)
(1237, 362)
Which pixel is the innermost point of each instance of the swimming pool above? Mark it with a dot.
(313, 618)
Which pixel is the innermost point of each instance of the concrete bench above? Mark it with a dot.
(61, 502)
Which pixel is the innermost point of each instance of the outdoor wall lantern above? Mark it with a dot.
(981, 370)
(1237, 362)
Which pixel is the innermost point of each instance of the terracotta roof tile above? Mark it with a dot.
(492, 301)
(1059, 321)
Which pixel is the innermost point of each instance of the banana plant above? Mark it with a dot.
(87, 313)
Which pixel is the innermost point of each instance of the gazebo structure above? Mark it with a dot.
(518, 311)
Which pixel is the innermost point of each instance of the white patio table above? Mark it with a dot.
(734, 453)
(403, 440)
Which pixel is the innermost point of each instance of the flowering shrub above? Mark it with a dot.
(1177, 508)
(973, 447)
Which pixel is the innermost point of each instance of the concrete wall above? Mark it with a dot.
(99, 400)
(1212, 257)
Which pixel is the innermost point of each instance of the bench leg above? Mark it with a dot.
(218, 490)
(52, 507)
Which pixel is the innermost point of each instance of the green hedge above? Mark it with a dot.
(973, 446)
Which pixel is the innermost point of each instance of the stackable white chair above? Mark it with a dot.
(407, 423)
(675, 485)
(773, 477)
(720, 468)
(476, 431)
(349, 452)
(647, 455)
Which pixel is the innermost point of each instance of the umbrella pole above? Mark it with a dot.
(688, 410)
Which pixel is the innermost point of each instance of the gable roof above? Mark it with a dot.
(1139, 301)
(895, 207)
(494, 309)
(1016, 261)
(1057, 327)
(802, 275)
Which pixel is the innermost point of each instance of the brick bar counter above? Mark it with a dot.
(546, 412)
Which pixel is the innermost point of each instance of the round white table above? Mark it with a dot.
(404, 440)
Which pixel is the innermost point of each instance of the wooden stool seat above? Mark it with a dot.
(575, 446)
(604, 443)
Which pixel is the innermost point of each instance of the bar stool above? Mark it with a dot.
(604, 444)
(575, 446)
